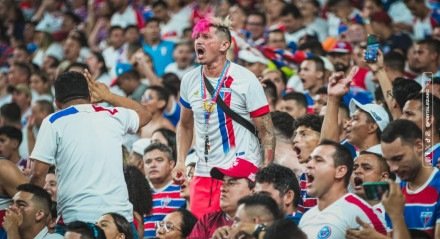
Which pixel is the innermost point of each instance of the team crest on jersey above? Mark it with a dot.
(426, 217)
(165, 202)
(325, 232)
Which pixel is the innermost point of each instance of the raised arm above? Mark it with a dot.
(10, 177)
(338, 86)
(267, 137)
(100, 92)
(385, 84)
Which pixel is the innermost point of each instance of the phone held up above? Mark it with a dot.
(372, 49)
(375, 190)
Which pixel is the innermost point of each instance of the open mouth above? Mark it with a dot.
(310, 179)
(358, 182)
(298, 151)
(200, 52)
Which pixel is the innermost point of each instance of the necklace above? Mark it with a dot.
(209, 104)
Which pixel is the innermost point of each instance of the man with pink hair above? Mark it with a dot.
(219, 138)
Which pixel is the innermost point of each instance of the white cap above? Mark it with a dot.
(375, 149)
(252, 56)
(140, 145)
(377, 112)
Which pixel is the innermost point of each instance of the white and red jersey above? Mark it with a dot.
(84, 142)
(243, 93)
(334, 220)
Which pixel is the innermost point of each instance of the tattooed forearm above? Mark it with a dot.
(267, 137)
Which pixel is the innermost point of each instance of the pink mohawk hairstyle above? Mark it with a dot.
(201, 26)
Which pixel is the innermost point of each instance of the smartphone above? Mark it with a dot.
(375, 190)
(372, 49)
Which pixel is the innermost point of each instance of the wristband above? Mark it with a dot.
(378, 69)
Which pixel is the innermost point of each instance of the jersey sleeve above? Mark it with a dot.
(184, 90)
(46, 143)
(129, 118)
(256, 100)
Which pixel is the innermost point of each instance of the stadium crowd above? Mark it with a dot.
(129, 119)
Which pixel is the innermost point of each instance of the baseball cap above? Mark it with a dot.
(241, 168)
(341, 47)
(122, 68)
(377, 112)
(251, 57)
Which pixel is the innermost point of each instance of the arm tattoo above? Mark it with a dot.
(267, 136)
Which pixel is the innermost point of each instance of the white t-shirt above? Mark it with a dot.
(172, 68)
(333, 221)
(128, 17)
(228, 139)
(84, 142)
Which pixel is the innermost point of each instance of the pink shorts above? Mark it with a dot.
(204, 195)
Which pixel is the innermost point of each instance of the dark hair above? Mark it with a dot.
(300, 98)
(188, 221)
(290, 9)
(314, 46)
(284, 228)
(113, 28)
(319, 63)
(24, 68)
(170, 136)
(122, 224)
(161, 147)
(406, 130)
(260, 14)
(12, 133)
(101, 60)
(70, 86)
(46, 106)
(402, 88)
(394, 61)
(262, 200)
(81, 65)
(76, 19)
(313, 122)
(40, 73)
(432, 44)
(51, 169)
(283, 123)
(153, 19)
(162, 94)
(341, 156)
(332, 3)
(40, 196)
(159, 3)
(11, 112)
(433, 110)
(270, 89)
(282, 178)
(131, 26)
(171, 82)
(86, 230)
(139, 191)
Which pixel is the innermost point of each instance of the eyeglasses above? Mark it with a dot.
(167, 226)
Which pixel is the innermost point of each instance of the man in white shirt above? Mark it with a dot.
(328, 175)
(84, 142)
(29, 213)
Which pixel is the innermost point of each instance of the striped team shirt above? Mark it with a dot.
(165, 201)
(422, 206)
(432, 155)
(307, 201)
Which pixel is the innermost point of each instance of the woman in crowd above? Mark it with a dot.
(176, 225)
(115, 226)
